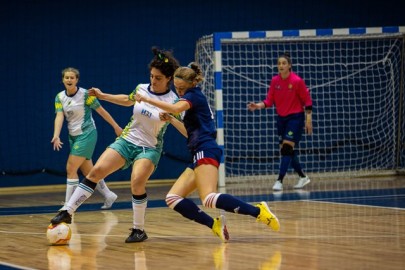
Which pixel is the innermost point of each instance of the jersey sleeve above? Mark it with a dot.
(131, 96)
(269, 101)
(304, 94)
(92, 102)
(58, 105)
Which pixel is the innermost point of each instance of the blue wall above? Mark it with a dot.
(110, 42)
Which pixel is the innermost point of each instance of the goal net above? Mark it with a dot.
(356, 81)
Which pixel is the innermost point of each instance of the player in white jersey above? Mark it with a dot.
(75, 104)
(139, 145)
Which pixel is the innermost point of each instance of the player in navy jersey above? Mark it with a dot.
(201, 141)
(291, 97)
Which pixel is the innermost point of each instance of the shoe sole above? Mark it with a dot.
(137, 241)
(224, 230)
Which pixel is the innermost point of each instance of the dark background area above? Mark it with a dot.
(110, 43)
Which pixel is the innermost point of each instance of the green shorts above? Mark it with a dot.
(83, 145)
(131, 152)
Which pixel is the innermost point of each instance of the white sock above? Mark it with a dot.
(71, 185)
(81, 194)
(139, 208)
(103, 189)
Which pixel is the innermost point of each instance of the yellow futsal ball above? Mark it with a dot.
(58, 234)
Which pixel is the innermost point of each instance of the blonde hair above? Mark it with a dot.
(192, 73)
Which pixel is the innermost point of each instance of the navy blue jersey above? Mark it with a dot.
(199, 121)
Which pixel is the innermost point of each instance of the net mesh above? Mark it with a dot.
(356, 83)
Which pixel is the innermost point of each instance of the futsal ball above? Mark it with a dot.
(58, 234)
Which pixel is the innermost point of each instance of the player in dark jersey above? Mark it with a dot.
(291, 97)
(201, 141)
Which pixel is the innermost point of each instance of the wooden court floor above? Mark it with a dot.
(332, 224)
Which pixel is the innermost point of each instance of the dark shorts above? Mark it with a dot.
(291, 127)
(207, 156)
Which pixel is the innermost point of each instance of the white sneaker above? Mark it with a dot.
(109, 201)
(278, 186)
(302, 182)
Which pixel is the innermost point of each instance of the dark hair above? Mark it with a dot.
(286, 55)
(164, 61)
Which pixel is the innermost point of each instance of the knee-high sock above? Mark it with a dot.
(285, 162)
(81, 194)
(71, 185)
(139, 203)
(188, 209)
(231, 204)
(103, 188)
(295, 163)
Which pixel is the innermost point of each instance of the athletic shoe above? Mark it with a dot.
(219, 228)
(278, 186)
(62, 216)
(136, 235)
(109, 201)
(302, 182)
(267, 217)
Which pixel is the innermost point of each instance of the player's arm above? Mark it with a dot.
(58, 123)
(268, 102)
(119, 99)
(175, 122)
(308, 120)
(109, 119)
(175, 108)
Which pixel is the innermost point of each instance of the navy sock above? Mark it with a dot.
(295, 163)
(285, 162)
(190, 210)
(234, 205)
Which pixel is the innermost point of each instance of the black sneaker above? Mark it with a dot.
(62, 216)
(136, 235)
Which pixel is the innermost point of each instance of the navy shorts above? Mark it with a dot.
(291, 127)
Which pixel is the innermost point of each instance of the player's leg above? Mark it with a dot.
(141, 171)
(109, 196)
(109, 162)
(176, 200)
(287, 152)
(72, 165)
(207, 177)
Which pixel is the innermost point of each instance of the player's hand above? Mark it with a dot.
(164, 116)
(118, 131)
(139, 97)
(308, 127)
(253, 106)
(57, 144)
(95, 92)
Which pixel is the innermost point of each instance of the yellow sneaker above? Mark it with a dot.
(267, 217)
(219, 228)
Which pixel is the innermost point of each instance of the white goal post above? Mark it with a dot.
(356, 80)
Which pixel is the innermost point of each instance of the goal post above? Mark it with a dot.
(356, 80)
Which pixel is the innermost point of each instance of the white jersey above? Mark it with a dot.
(77, 110)
(145, 128)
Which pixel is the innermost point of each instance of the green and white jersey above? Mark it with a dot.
(77, 110)
(145, 128)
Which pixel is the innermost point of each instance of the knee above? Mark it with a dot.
(211, 200)
(172, 200)
(287, 150)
